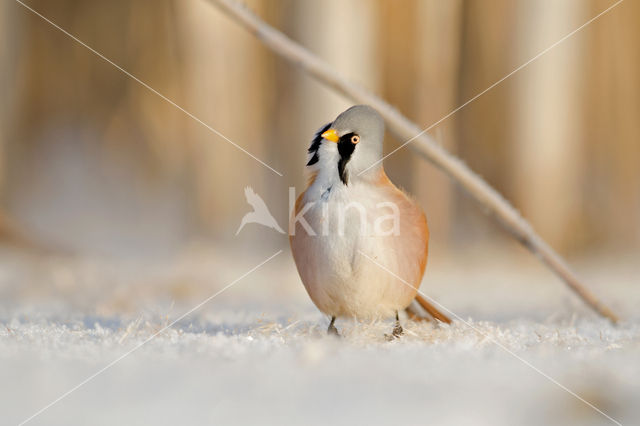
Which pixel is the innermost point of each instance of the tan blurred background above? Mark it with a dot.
(92, 161)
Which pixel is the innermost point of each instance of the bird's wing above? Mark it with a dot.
(254, 199)
(249, 193)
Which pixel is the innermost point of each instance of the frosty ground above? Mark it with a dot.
(258, 353)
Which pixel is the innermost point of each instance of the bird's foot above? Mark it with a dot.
(395, 334)
(332, 330)
(397, 330)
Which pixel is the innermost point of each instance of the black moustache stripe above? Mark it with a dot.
(345, 148)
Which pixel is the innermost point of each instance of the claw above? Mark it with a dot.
(398, 331)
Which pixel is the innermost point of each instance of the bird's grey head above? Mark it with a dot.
(352, 143)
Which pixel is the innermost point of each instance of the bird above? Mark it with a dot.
(260, 213)
(349, 267)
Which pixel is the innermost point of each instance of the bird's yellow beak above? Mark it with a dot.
(331, 135)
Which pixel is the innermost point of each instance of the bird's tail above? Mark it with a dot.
(431, 310)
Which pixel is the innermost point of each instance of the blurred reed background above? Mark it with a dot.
(91, 161)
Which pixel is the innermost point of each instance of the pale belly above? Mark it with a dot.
(356, 265)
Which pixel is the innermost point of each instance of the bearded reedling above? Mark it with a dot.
(350, 217)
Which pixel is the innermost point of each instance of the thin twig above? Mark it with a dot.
(424, 145)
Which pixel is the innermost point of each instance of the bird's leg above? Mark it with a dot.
(397, 330)
(332, 330)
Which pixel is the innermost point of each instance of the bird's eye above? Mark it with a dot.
(355, 139)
